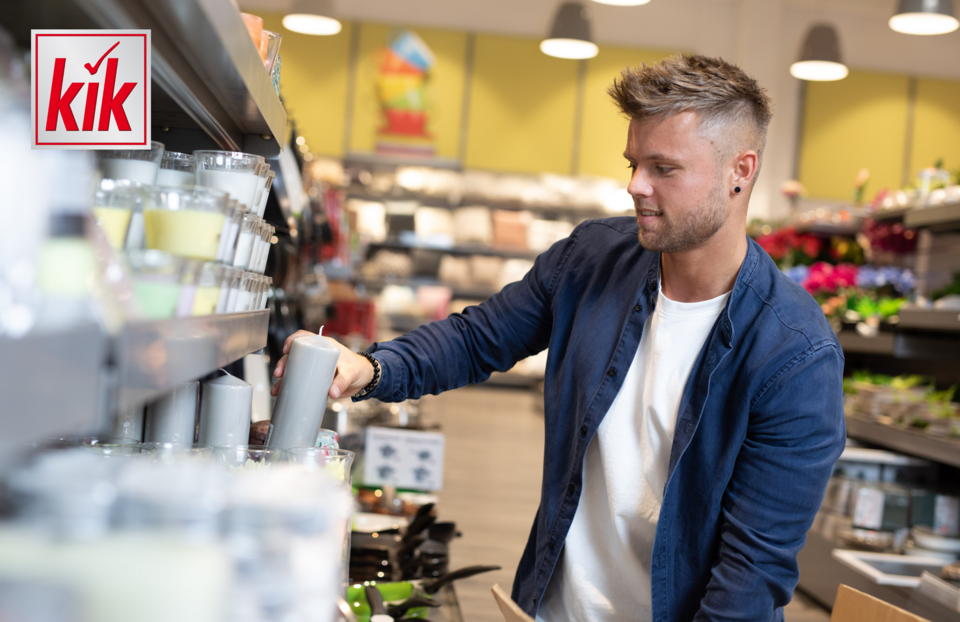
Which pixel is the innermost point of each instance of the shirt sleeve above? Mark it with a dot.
(465, 348)
(795, 435)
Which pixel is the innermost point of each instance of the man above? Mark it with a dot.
(693, 399)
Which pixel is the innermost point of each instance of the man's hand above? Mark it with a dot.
(353, 371)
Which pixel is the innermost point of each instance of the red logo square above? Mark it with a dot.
(90, 89)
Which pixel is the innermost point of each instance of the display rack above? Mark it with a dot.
(153, 357)
(939, 218)
(930, 319)
(50, 384)
(913, 442)
(853, 342)
(476, 249)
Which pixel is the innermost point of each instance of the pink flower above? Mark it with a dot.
(824, 277)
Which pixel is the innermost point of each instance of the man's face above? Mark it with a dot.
(677, 186)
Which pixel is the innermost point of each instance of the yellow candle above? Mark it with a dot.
(187, 233)
(114, 222)
(205, 301)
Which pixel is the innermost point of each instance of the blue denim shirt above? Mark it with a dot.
(759, 427)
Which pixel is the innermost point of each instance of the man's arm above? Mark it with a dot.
(462, 349)
(795, 435)
(466, 348)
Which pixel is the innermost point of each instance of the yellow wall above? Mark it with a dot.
(313, 84)
(604, 130)
(444, 89)
(936, 129)
(852, 123)
(521, 108)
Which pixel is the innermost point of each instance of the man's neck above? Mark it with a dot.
(707, 271)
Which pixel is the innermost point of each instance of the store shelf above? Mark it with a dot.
(207, 75)
(913, 442)
(384, 162)
(853, 342)
(506, 253)
(891, 214)
(50, 385)
(478, 292)
(848, 228)
(427, 201)
(940, 218)
(930, 319)
(821, 574)
(152, 357)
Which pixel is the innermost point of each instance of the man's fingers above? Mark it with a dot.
(340, 384)
(281, 367)
(275, 391)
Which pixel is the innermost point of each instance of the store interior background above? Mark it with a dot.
(523, 108)
(496, 104)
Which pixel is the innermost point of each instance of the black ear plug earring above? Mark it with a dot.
(737, 189)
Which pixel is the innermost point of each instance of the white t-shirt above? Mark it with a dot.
(604, 568)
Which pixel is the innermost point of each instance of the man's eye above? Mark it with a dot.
(663, 170)
(632, 167)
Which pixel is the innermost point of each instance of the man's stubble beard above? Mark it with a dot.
(692, 229)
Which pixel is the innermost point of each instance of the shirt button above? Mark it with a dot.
(583, 430)
(637, 308)
(612, 372)
(652, 286)
(570, 489)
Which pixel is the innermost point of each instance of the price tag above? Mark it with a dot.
(868, 513)
(404, 458)
(946, 515)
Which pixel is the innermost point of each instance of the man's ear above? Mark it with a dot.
(745, 168)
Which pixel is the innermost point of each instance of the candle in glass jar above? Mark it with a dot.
(298, 413)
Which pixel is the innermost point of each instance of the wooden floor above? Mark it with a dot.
(494, 458)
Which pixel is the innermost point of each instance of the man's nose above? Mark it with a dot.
(639, 186)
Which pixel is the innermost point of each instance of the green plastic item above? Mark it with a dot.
(157, 300)
(393, 593)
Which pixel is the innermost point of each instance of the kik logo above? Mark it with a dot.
(99, 77)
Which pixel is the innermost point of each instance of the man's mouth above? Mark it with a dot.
(648, 213)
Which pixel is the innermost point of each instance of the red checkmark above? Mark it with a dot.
(96, 67)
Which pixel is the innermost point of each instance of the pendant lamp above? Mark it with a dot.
(820, 56)
(312, 17)
(570, 35)
(924, 17)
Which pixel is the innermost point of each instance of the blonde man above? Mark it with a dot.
(693, 397)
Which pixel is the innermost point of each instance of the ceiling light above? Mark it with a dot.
(570, 35)
(312, 17)
(622, 2)
(820, 57)
(924, 17)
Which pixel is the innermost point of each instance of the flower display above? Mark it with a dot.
(891, 237)
(788, 248)
(901, 280)
(827, 278)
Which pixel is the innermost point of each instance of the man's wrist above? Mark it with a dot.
(375, 380)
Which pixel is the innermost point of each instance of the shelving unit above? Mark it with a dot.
(431, 201)
(506, 253)
(474, 292)
(939, 218)
(851, 341)
(913, 442)
(930, 319)
(153, 357)
(50, 384)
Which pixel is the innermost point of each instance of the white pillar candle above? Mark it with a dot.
(129, 425)
(173, 418)
(225, 411)
(303, 393)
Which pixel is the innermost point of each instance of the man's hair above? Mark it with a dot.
(720, 92)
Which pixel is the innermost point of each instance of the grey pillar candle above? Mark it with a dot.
(173, 418)
(128, 425)
(303, 393)
(225, 410)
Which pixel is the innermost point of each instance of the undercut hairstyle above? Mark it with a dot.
(721, 93)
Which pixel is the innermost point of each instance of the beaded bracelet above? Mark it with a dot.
(376, 376)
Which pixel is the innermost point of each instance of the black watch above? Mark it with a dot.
(376, 376)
